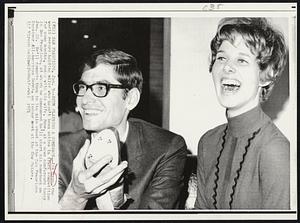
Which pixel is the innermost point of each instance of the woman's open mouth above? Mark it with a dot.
(230, 85)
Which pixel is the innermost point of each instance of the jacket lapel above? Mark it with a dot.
(133, 148)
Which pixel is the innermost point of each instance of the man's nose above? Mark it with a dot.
(88, 96)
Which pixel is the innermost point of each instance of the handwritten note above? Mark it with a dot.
(212, 6)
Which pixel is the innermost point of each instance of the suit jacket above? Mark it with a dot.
(156, 160)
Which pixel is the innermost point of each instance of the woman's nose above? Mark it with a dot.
(229, 68)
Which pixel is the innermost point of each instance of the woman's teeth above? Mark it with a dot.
(230, 85)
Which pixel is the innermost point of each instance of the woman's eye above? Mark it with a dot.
(242, 61)
(221, 58)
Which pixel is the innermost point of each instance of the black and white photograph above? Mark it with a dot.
(152, 111)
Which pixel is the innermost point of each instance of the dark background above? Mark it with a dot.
(142, 38)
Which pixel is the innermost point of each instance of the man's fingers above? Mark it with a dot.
(116, 172)
(108, 184)
(98, 165)
(103, 181)
(82, 152)
(84, 148)
(79, 159)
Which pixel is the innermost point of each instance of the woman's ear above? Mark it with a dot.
(263, 82)
(132, 98)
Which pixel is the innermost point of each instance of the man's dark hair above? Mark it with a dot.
(125, 66)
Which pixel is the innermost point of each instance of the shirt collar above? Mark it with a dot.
(124, 137)
(247, 122)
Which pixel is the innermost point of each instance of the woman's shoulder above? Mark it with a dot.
(275, 144)
(213, 133)
(209, 139)
(208, 143)
(273, 137)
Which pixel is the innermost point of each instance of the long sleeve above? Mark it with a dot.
(275, 175)
(201, 202)
(166, 185)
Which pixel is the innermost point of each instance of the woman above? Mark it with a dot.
(244, 164)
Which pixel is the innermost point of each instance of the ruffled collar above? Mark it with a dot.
(247, 122)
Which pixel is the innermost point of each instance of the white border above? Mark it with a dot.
(152, 10)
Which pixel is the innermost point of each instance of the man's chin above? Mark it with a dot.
(91, 128)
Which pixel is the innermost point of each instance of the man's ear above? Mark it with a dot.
(132, 98)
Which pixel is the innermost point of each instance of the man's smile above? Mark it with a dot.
(91, 111)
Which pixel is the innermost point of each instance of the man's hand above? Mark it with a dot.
(114, 197)
(84, 184)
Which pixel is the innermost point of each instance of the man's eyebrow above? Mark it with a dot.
(103, 81)
(97, 82)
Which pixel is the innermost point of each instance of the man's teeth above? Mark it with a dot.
(91, 112)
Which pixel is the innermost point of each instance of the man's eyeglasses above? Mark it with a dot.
(99, 89)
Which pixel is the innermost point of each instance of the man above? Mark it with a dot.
(150, 175)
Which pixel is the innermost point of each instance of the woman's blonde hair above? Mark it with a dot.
(263, 41)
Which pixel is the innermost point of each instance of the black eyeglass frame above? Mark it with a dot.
(107, 86)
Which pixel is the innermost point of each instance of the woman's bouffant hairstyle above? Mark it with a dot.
(125, 66)
(263, 41)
